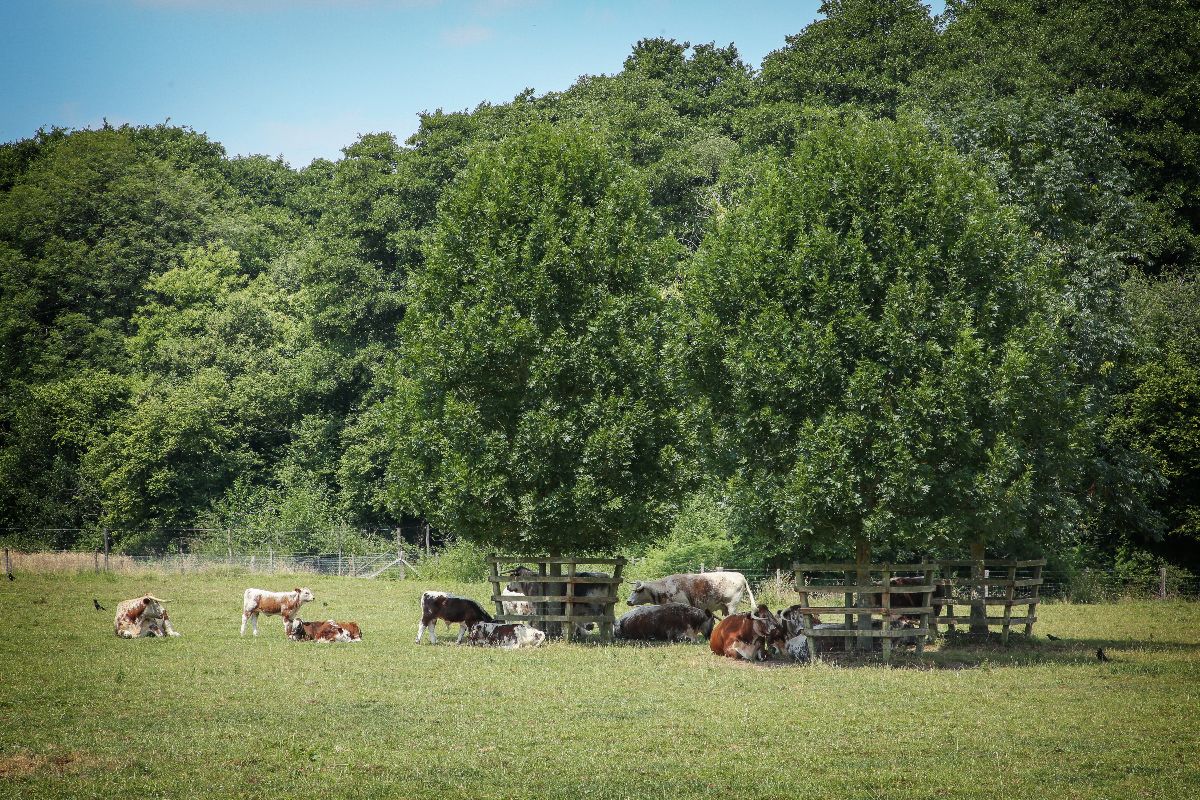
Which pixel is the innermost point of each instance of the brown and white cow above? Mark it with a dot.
(748, 636)
(711, 591)
(142, 616)
(328, 631)
(509, 635)
(673, 622)
(260, 601)
(450, 609)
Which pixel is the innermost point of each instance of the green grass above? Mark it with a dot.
(84, 714)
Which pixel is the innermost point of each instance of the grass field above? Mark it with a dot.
(84, 714)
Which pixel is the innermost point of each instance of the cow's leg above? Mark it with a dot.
(421, 629)
(462, 631)
(243, 633)
(254, 620)
(742, 649)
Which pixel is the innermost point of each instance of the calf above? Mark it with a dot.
(748, 636)
(518, 605)
(260, 601)
(509, 635)
(142, 616)
(450, 609)
(327, 631)
(711, 591)
(672, 622)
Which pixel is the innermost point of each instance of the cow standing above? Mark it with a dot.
(710, 591)
(748, 636)
(450, 609)
(142, 616)
(673, 622)
(260, 601)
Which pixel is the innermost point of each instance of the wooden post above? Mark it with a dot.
(7, 563)
(555, 607)
(848, 621)
(339, 556)
(886, 625)
(494, 579)
(96, 560)
(106, 546)
(427, 538)
(930, 619)
(1009, 596)
(271, 559)
(606, 627)
(353, 572)
(978, 607)
(228, 547)
(862, 564)
(571, 601)
(400, 554)
(1031, 611)
(1162, 582)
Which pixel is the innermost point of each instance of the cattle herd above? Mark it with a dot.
(677, 608)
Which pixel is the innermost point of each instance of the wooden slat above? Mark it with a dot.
(990, 562)
(894, 633)
(869, 588)
(554, 598)
(549, 618)
(557, 579)
(851, 566)
(556, 560)
(902, 610)
(990, 620)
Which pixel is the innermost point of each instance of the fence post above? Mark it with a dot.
(400, 554)
(979, 622)
(96, 560)
(427, 538)
(271, 559)
(702, 566)
(228, 547)
(7, 563)
(106, 545)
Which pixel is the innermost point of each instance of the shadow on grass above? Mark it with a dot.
(959, 652)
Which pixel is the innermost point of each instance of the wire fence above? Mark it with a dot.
(409, 560)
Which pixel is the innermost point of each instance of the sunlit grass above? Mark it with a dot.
(84, 714)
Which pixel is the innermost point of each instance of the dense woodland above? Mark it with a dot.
(913, 280)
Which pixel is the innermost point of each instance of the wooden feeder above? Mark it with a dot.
(558, 603)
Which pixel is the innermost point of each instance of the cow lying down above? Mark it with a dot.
(748, 636)
(142, 616)
(509, 635)
(328, 631)
(673, 622)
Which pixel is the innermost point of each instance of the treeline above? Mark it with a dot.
(913, 281)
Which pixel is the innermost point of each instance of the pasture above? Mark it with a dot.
(84, 714)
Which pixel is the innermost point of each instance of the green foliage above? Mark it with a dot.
(461, 561)
(875, 336)
(861, 54)
(530, 410)
(701, 534)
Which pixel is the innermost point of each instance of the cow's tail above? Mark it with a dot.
(749, 591)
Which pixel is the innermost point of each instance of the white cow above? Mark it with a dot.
(260, 601)
(711, 591)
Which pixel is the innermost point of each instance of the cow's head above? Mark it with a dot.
(295, 628)
(516, 574)
(769, 629)
(641, 595)
(305, 595)
(706, 627)
(152, 607)
(529, 637)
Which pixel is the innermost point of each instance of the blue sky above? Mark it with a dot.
(303, 78)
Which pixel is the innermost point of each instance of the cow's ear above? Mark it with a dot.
(637, 586)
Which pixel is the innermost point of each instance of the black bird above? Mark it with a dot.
(1052, 637)
(10, 577)
(99, 607)
(1100, 654)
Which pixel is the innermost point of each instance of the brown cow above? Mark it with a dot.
(748, 636)
(327, 631)
(260, 601)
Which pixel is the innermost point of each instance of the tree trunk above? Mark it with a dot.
(862, 562)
